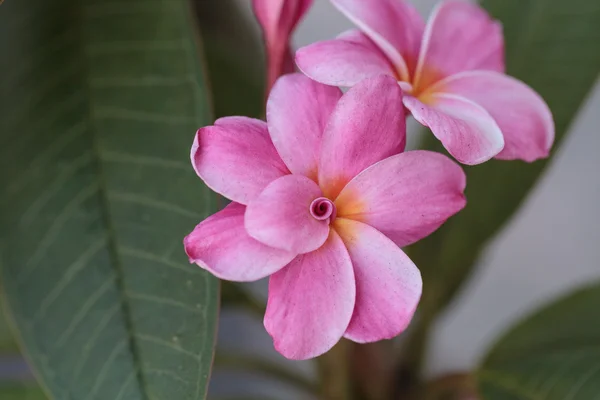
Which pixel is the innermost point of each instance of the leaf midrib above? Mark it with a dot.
(112, 242)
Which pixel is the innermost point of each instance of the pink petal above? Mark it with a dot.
(367, 126)
(278, 19)
(220, 245)
(388, 284)
(465, 129)
(406, 196)
(394, 25)
(460, 36)
(289, 65)
(280, 216)
(277, 16)
(279, 62)
(311, 301)
(267, 13)
(522, 115)
(344, 61)
(302, 9)
(297, 111)
(236, 158)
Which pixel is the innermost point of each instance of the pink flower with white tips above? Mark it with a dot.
(452, 70)
(323, 197)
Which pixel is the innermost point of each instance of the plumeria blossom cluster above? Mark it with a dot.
(323, 199)
(323, 194)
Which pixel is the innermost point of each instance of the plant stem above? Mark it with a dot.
(410, 370)
(372, 368)
(457, 386)
(334, 372)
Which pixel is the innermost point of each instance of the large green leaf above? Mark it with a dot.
(11, 367)
(21, 392)
(553, 355)
(100, 103)
(553, 46)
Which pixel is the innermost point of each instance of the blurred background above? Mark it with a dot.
(550, 246)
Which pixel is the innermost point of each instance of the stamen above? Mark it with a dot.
(322, 208)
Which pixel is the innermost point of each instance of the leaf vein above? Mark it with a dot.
(143, 255)
(54, 230)
(140, 116)
(145, 201)
(70, 272)
(105, 367)
(117, 157)
(83, 311)
(164, 343)
(162, 301)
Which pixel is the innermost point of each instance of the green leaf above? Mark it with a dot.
(100, 102)
(21, 392)
(7, 340)
(552, 45)
(235, 58)
(552, 355)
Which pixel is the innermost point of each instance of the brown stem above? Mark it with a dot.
(457, 386)
(372, 368)
(409, 373)
(335, 373)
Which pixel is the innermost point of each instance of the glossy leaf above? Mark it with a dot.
(553, 46)
(552, 355)
(100, 103)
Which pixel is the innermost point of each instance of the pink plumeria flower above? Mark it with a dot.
(453, 70)
(322, 198)
(278, 19)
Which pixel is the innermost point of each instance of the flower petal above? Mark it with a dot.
(277, 16)
(367, 126)
(388, 284)
(522, 115)
(280, 216)
(394, 25)
(406, 196)
(236, 158)
(465, 129)
(344, 61)
(311, 301)
(297, 112)
(460, 36)
(220, 245)
(278, 19)
(279, 63)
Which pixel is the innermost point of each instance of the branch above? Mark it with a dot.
(334, 372)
